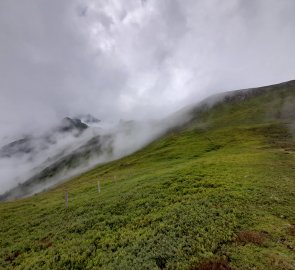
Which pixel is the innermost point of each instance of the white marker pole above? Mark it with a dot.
(98, 186)
(66, 198)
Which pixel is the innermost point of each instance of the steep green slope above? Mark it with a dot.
(217, 192)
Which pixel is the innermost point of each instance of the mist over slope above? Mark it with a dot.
(75, 147)
(35, 163)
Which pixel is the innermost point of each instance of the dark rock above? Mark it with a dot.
(68, 124)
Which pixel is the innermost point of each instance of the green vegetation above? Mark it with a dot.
(217, 192)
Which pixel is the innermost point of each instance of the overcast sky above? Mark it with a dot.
(135, 58)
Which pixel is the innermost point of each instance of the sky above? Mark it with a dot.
(135, 59)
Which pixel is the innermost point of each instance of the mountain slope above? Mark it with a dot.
(216, 192)
(28, 145)
(52, 172)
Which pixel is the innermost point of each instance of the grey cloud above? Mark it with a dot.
(135, 59)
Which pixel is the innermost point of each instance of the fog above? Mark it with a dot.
(137, 59)
(55, 151)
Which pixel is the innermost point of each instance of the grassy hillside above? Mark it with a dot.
(217, 193)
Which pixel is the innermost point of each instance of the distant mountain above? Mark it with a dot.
(22, 146)
(32, 144)
(45, 174)
(68, 125)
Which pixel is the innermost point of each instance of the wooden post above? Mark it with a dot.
(98, 186)
(66, 198)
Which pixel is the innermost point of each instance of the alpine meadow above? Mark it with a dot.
(214, 193)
